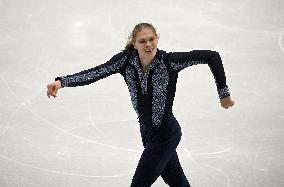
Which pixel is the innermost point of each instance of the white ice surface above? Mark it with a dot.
(89, 136)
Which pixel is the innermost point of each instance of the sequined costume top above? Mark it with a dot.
(152, 92)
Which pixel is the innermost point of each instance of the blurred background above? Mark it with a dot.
(89, 136)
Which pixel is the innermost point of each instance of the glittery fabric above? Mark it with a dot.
(152, 93)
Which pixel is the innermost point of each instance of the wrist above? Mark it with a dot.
(223, 92)
(59, 83)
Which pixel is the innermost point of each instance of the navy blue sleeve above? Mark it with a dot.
(181, 60)
(94, 74)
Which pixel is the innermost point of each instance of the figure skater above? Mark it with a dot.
(151, 76)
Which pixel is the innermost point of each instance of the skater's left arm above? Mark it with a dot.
(181, 60)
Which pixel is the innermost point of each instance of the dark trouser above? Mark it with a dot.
(159, 156)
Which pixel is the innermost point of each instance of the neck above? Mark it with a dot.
(145, 63)
(146, 60)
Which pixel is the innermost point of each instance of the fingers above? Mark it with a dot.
(51, 94)
(228, 104)
(48, 93)
(55, 91)
(226, 107)
(51, 90)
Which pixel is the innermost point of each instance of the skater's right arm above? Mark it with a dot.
(114, 65)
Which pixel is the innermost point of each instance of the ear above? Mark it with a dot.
(134, 45)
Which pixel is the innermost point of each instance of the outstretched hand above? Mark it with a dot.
(227, 102)
(52, 89)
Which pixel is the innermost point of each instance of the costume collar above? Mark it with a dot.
(135, 61)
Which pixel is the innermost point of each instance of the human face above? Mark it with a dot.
(146, 43)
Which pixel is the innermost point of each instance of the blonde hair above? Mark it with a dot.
(137, 28)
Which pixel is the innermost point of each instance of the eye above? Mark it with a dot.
(151, 39)
(142, 41)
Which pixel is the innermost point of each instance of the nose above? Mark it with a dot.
(148, 43)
